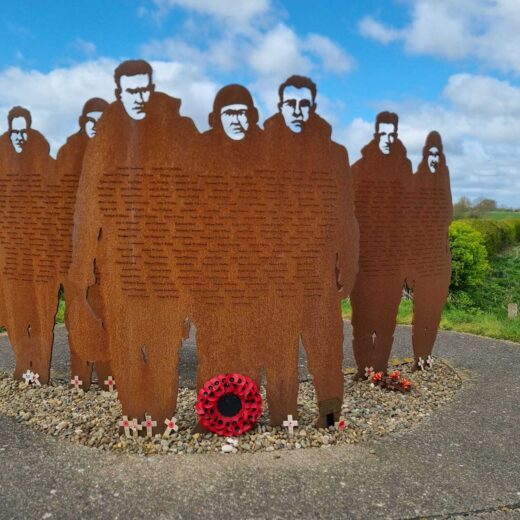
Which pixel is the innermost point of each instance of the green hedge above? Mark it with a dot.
(497, 234)
(469, 257)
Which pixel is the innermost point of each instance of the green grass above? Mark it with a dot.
(483, 312)
(60, 315)
(502, 215)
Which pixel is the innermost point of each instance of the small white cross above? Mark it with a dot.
(135, 427)
(149, 424)
(429, 360)
(290, 423)
(126, 424)
(27, 376)
(420, 363)
(341, 424)
(369, 371)
(35, 379)
(76, 382)
(171, 425)
(110, 383)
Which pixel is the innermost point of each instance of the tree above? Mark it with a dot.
(461, 208)
(483, 206)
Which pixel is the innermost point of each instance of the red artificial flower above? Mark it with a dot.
(395, 375)
(377, 377)
(229, 404)
(341, 424)
(405, 384)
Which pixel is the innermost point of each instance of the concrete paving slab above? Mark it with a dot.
(464, 461)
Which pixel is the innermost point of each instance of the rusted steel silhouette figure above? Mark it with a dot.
(133, 199)
(382, 181)
(227, 307)
(29, 280)
(430, 259)
(84, 322)
(314, 251)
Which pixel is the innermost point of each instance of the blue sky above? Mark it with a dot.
(450, 66)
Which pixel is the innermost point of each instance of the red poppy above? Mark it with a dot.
(405, 384)
(377, 377)
(229, 404)
(395, 375)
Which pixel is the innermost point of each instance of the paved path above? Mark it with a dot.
(465, 459)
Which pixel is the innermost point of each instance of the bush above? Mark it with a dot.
(497, 234)
(469, 257)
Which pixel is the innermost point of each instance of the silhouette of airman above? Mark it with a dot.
(133, 197)
(29, 281)
(430, 259)
(84, 323)
(226, 309)
(382, 184)
(316, 251)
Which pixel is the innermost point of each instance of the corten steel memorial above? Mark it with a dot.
(28, 213)
(314, 250)
(250, 234)
(83, 316)
(226, 306)
(429, 263)
(134, 194)
(281, 247)
(382, 181)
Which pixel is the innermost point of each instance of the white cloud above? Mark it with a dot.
(237, 14)
(484, 29)
(371, 28)
(480, 124)
(277, 53)
(268, 56)
(274, 53)
(56, 99)
(440, 29)
(333, 57)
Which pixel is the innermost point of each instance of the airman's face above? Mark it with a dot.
(234, 121)
(387, 134)
(433, 159)
(18, 133)
(296, 107)
(90, 125)
(135, 93)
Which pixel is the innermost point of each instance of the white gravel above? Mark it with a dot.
(91, 418)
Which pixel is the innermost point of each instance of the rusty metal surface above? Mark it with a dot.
(239, 236)
(383, 203)
(133, 199)
(83, 320)
(403, 220)
(28, 227)
(430, 260)
(275, 204)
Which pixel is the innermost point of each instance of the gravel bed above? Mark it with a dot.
(91, 418)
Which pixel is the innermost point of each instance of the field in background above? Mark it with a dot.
(502, 215)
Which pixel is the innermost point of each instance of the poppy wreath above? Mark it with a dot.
(229, 404)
